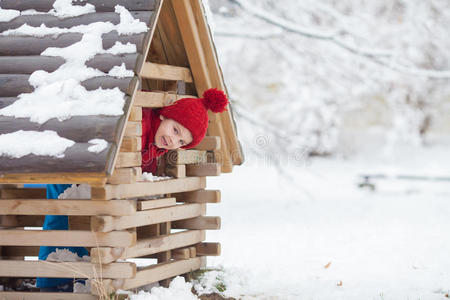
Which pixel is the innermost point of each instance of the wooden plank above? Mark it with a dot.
(100, 5)
(148, 246)
(16, 268)
(28, 193)
(131, 144)
(67, 207)
(182, 157)
(155, 203)
(181, 253)
(204, 223)
(207, 169)
(80, 129)
(29, 64)
(125, 176)
(200, 196)
(160, 271)
(157, 99)
(133, 129)
(15, 237)
(208, 249)
(192, 251)
(84, 19)
(44, 295)
(135, 114)
(176, 171)
(129, 159)
(209, 143)
(140, 40)
(147, 217)
(126, 84)
(93, 179)
(6, 101)
(166, 255)
(14, 84)
(141, 189)
(166, 72)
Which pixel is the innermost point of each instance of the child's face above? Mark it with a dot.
(172, 135)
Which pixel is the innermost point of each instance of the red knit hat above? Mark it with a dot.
(192, 113)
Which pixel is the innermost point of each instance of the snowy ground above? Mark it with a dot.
(316, 235)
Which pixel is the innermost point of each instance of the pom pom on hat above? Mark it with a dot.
(192, 113)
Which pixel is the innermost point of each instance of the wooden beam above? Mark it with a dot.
(157, 99)
(159, 272)
(204, 223)
(209, 143)
(125, 175)
(133, 129)
(207, 169)
(166, 72)
(129, 159)
(176, 171)
(147, 217)
(46, 296)
(148, 246)
(93, 179)
(181, 253)
(141, 189)
(131, 144)
(135, 114)
(26, 193)
(74, 238)
(208, 249)
(67, 207)
(16, 268)
(183, 157)
(200, 196)
(155, 203)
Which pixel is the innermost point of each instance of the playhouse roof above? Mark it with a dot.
(179, 37)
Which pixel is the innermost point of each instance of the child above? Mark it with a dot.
(180, 125)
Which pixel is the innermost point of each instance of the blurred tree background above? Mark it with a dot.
(312, 77)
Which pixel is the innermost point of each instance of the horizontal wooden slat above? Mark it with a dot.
(125, 175)
(157, 99)
(180, 253)
(148, 246)
(208, 169)
(129, 159)
(100, 5)
(76, 159)
(209, 143)
(14, 85)
(133, 129)
(204, 223)
(45, 296)
(15, 237)
(155, 203)
(53, 21)
(147, 217)
(24, 45)
(200, 196)
(182, 157)
(67, 207)
(16, 268)
(6, 101)
(156, 273)
(141, 189)
(135, 114)
(166, 72)
(26, 193)
(208, 249)
(176, 171)
(92, 178)
(131, 144)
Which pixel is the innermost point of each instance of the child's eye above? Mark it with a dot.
(175, 130)
(181, 142)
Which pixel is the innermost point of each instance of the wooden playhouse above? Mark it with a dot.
(125, 216)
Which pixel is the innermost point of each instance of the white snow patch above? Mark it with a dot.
(65, 255)
(150, 177)
(21, 143)
(7, 15)
(31, 12)
(98, 145)
(128, 25)
(81, 191)
(65, 9)
(120, 71)
(178, 289)
(120, 48)
(80, 288)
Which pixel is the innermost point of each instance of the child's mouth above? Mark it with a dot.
(164, 141)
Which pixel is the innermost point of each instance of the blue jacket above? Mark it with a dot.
(56, 223)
